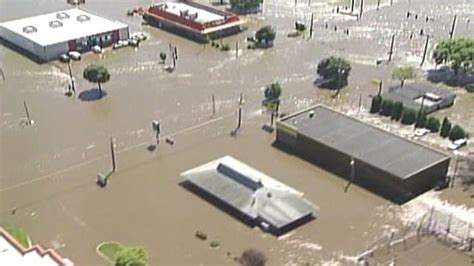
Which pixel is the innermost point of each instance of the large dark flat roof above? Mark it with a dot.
(382, 149)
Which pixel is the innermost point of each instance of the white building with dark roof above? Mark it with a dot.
(44, 37)
(13, 253)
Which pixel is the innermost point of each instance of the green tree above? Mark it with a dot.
(252, 257)
(386, 108)
(273, 91)
(335, 70)
(132, 256)
(445, 128)
(265, 35)
(376, 103)
(403, 73)
(408, 117)
(459, 53)
(433, 124)
(96, 74)
(397, 111)
(163, 57)
(245, 5)
(456, 133)
(421, 120)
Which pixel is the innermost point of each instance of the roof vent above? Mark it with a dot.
(62, 15)
(55, 24)
(82, 18)
(29, 29)
(311, 114)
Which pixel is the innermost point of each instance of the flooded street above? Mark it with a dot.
(48, 171)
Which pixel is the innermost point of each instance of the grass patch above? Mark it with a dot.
(20, 235)
(110, 250)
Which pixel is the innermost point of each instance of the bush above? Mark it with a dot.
(420, 120)
(457, 133)
(445, 128)
(408, 117)
(397, 111)
(376, 103)
(386, 108)
(214, 244)
(433, 124)
(470, 88)
(225, 47)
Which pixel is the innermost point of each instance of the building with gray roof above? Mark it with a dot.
(411, 95)
(390, 165)
(250, 195)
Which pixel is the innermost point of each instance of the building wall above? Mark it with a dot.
(124, 33)
(25, 45)
(52, 51)
(373, 178)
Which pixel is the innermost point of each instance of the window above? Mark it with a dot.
(82, 18)
(62, 15)
(55, 24)
(29, 29)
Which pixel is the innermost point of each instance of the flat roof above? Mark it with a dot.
(203, 16)
(251, 192)
(410, 92)
(61, 26)
(387, 151)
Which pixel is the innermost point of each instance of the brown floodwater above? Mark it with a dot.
(48, 171)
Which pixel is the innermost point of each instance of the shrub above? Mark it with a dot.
(470, 88)
(408, 117)
(420, 120)
(376, 103)
(445, 128)
(433, 124)
(214, 244)
(386, 108)
(397, 111)
(456, 133)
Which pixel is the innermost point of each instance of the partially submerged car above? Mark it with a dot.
(457, 144)
(120, 44)
(74, 55)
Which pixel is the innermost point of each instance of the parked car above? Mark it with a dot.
(134, 42)
(457, 144)
(64, 58)
(74, 55)
(97, 49)
(140, 36)
(120, 44)
(420, 132)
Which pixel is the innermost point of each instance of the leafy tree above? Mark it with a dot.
(132, 256)
(459, 53)
(273, 91)
(404, 73)
(445, 128)
(336, 71)
(252, 257)
(433, 124)
(421, 120)
(397, 111)
(386, 108)
(456, 133)
(408, 117)
(96, 74)
(244, 5)
(376, 103)
(163, 57)
(266, 34)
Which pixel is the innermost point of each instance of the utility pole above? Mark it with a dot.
(352, 5)
(213, 105)
(73, 86)
(425, 50)
(451, 33)
(311, 26)
(28, 118)
(156, 127)
(239, 122)
(390, 53)
(360, 103)
(380, 88)
(378, 4)
(2, 74)
(236, 50)
(112, 153)
(361, 8)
